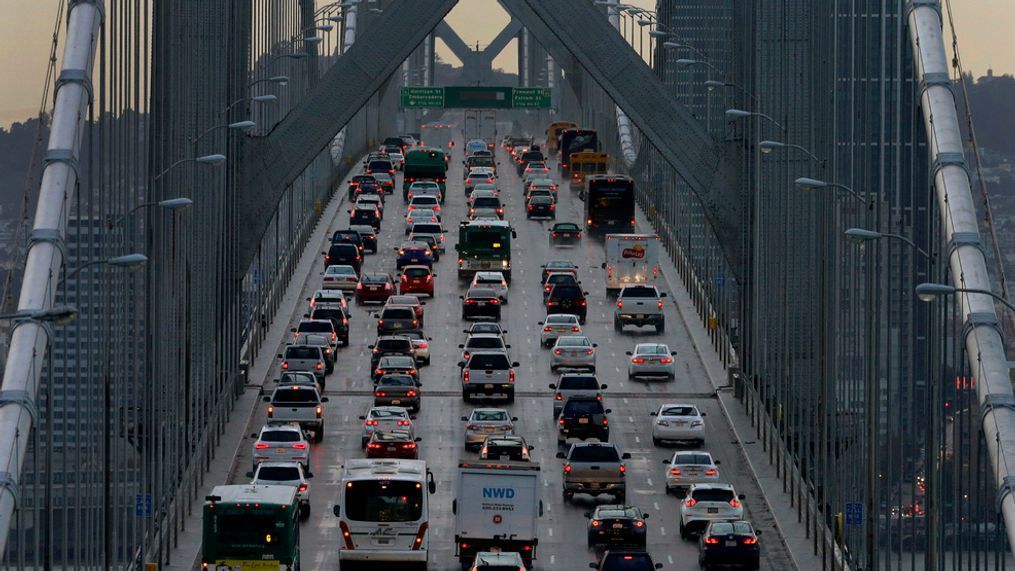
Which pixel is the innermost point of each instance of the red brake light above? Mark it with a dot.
(712, 540)
(567, 467)
(285, 365)
(547, 328)
(555, 235)
(261, 445)
(690, 502)
(666, 360)
(711, 472)
(675, 471)
(556, 351)
(303, 487)
(620, 304)
(623, 469)
(300, 445)
(750, 540)
(660, 304)
(735, 503)
(511, 376)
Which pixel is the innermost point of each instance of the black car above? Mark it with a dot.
(368, 235)
(729, 543)
(530, 156)
(347, 236)
(541, 207)
(505, 447)
(372, 186)
(395, 365)
(565, 234)
(616, 525)
(337, 317)
(583, 418)
(567, 298)
(380, 164)
(343, 255)
(626, 561)
(481, 303)
(558, 278)
(356, 181)
(394, 142)
(390, 345)
(366, 216)
(395, 318)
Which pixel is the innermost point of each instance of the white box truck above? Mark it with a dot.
(631, 259)
(481, 124)
(496, 507)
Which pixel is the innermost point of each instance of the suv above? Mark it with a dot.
(488, 373)
(706, 503)
(300, 404)
(594, 469)
(395, 318)
(639, 305)
(575, 385)
(321, 341)
(322, 326)
(285, 474)
(356, 181)
(343, 254)
(347, 237)
(281, 442)
(567, 298)
(583, 418)
(337, 315)
(368, 236)
(390, 345)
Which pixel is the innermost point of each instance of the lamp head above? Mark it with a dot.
(769, 146)
(681, 63)
(129, 261)
(804, 183)
(930, 291)
(215, 159)
(313, 39)
(279, 79)
(731, 114)
(657, 33)
(264, 98)
(176, 203)
(326, 27)
(860, 235)
(242, 125)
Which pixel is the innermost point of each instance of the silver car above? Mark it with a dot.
(322, 340)
(281, 442)
(285, 474)
(484, 422)
(384, 419)
(690, 467)
(304, 358)
(422, 345)
(651, 360)
(420, 216)
(573, 352)
(483, 342)
(341, 277)
(556, 325)
(575, 385)
(494, 281)
(329, 296)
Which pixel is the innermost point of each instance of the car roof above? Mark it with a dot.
(290, 426)
(481, 292)
(713, 486)
(416, 267)
(339, 268)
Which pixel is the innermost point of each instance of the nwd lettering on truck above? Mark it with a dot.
(251, 527)
(484, 246)
(496, 507)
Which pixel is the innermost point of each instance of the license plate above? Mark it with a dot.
(480, 304)
(373, 288)
(640, 315)
(280, 450)
(398, 326)
(731, 543)
(384, 542)
(487, 386)
(679, 423)
(494, 549)
(485, 265)
(391, 449)
(396, 402)
(618, 526)
(713, 510)
(583, 421)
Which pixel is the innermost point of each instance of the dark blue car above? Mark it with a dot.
(414, 253)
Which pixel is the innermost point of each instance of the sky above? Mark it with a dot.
(26, 33)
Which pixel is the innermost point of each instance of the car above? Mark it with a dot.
(347, 236)
(374, 287)
(410, 300)
(533, 171)
(558, 266)
(573, 352)
(479, 175)
(651, 360)
(678, 422)
(616, 524)
(285, 474)
(540, 207)
(430, 228)
(339, 319)
(385, 419)
(390, 345)
(505, 447)
(558, 278)
(321, 341)
(706, 503)
(368, 235)
(583, 418)
(614, 560)
(557, 324)
(485, 422)
(421, 344)
(341, 277)
(729, 543)
(416, 279)
(343, 255)
(356, 181)
(430, 240)
(425, 202)
(639, 305)
(482, 342)
(481, 327)
(474, 145)
(575, 385)
(542, 185)
(379, 164)
(488, 373)
(398, 159)
(397, 444)
(397, 390)
(371, 201)
(281, 442)
(480, 303)
(494, 281)
(690, 467)
(418, 216)
(365, 214)
(299, 404)
(567, 298)
(498, 561)
(480, 214)
(541, 192)
(395, 365)
(393, 319)
(386, 181)
(413, 253)
(322, 326)
(328, 296)
(565, 234)
(594, 468)
(485, 189)
(298, 378)
(423, 187)
(489, 203)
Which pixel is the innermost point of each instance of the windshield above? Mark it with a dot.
(280, 436)
(679, 411)
(278, 473)
(247, 529)
(712, 495)
(396, 381)
(731, 527)
(396, 363)
(651, 349)
(427, 228)
(303, 352)
(374, 279)
(489, 416)
(383, 501)
(419, 171)
(388, 413)
(486, 202)
(560, 319)
(594, 454)
(498, 361)
(561, 279)
(425, 201)
(573, 342)
(627, 562)
(486, 239)
(578, 384)
(340, 271)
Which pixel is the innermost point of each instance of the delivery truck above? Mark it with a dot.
(631, 259)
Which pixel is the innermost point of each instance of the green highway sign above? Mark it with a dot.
(459, 97)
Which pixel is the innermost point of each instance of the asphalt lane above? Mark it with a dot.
(562, 527)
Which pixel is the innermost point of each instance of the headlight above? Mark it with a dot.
(504, 263)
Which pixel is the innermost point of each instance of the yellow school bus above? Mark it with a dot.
(553, 133)
(586, 163)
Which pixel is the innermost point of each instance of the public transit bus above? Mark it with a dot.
(609, 203)
(587, 163)
(252, 527)
(553, 133)
(384, 512)
(575, 141)
(484, 245)
(425, 164)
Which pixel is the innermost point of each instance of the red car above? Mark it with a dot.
(398, 444)
(374, 288)
(416, 279)
(411, 301)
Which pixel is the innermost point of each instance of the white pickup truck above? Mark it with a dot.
(300, 404)
(639, 305)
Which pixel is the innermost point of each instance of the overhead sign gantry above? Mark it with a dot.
(460, 97)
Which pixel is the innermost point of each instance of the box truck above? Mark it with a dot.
(631, 259)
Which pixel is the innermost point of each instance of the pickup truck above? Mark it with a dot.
(300, 404)
(594, 469)
(639, 305)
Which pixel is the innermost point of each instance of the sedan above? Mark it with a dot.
(395, 319)
(565, 234)
(556, 325)
(479, 175)
(374, 288)
(483, 342)
(340, 277)
(397, 390)
(420, 216)
(558, 266)
(425, 202)
(651, 360)
(678, 423)
(494, 281)
(281, 442)
(395, 365)
(687, 468)
(371, 201)
(410, 301)
(541, 207)
(485, 422)
(611, 525)
(422, 345)
(729, 543)
(544, 184)
(511, 448)
(573, 352)
(480, 303)
(384, 419)
(399, 444)
(285, 474)
(486, 327)
(416, 279)
(413, 253)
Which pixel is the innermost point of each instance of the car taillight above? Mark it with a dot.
(637, 360)
(271, 411)
(639, 524)
(547, 328)
(663, 422)
(468, 180)
(582, 303)
(465, 376)
(285, 365)
(623, 469)
(494, 302)
(423, 345)
(712, 540)
(567, 468)
(303, 487)
(558, 396)
(387, 286)
(411, 393)
(606, 422)
(561, 422)
(371, 423)
(471, 427)
(556, 351)
(300, 445)
(660, 304)
(373, 446)
(666, 360)
(412, 371)
(595, 523)
(380, 322)
(735, 503)
(696, 423)
(380, 394)
(690, 502)
(403, 423)
(750, 540)
(320, 411)
(319, 366)
(620, 304)
(511, 376)
(261, 446)
(589, 351)
(470, 301)
(500, 211)
(334, 335)
(674, 471)
(555, 235)
(553, 207)
(711, 472)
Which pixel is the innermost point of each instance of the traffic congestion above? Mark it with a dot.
(489, 372)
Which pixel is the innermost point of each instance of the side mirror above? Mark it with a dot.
(651, 414)
(702, 413)
(462, 297)
(412, 417)
(429, 338)
(628, 353)
(324, 399)
(362, 418)
(253, 435)
(588, 515)
(308, 299)
(585, 293)
(665, 461)
(267, 399)
(292, 330)
(553, 386)
(644, 516)
(461, 346)
(461, 364)
(595, 344)
(742, 497)
(608, 411)
(419, 439)
(337, 510)
(465, 419)
(603, 387)
(531, 447)
(275, 380)
(717, 462)
(625, 456)
(561, 455)
(515, 364)
(594, 565)
(659, 565)
(603, 265)
(663, 294)
(758, 532)
(250, 474)
(540, 323)
(673, 353)
(308, 475)
(514, 419)
(370, 346)
(306, 315)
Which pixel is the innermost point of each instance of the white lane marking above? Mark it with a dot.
(669, 559)
(625, 398)
(662, 531)
(550, 531)
(553, 558)
(637, 439)
(655, 505)
(630, 419)
(648, 481)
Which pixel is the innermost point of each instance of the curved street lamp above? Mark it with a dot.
(931, 291)
(768, 146)
(860, 235)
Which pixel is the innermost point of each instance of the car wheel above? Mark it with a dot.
(616, 325)
(683, 531)
(568, 496)
(319, 434)
(660, 328)
(305, 512)
(656, 441)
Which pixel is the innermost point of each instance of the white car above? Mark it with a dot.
(486, 421)
(705, 503)
(384, 419)
(556, 325)
(286, 474)
(573, 352)
(678, 423)
(423, 188)
(329, 296)
(689, 467)
(422, 345)
(281, 442)
(419, 216)
(494, 281)
(398, 159)
(486, 327)
(497, 561)
(340, 277)
(651, 360)
(483, 342)
(542, 184)
(425, 203)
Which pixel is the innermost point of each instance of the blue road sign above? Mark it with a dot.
(854, 513)
(143, 505)
(720, 280)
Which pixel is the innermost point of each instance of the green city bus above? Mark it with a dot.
(425, 164)
(251, 527)
(484, 245)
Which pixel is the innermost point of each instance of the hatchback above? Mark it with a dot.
(374, 288)
(705, 503)
(365, 215)
(394, 318)
(505, 447)
(416, 279)
(567, 298)
(485, 422)
(729, 543)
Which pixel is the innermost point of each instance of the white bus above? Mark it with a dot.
(384, 511)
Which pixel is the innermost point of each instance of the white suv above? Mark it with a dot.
(286, 474)
(705, 503)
